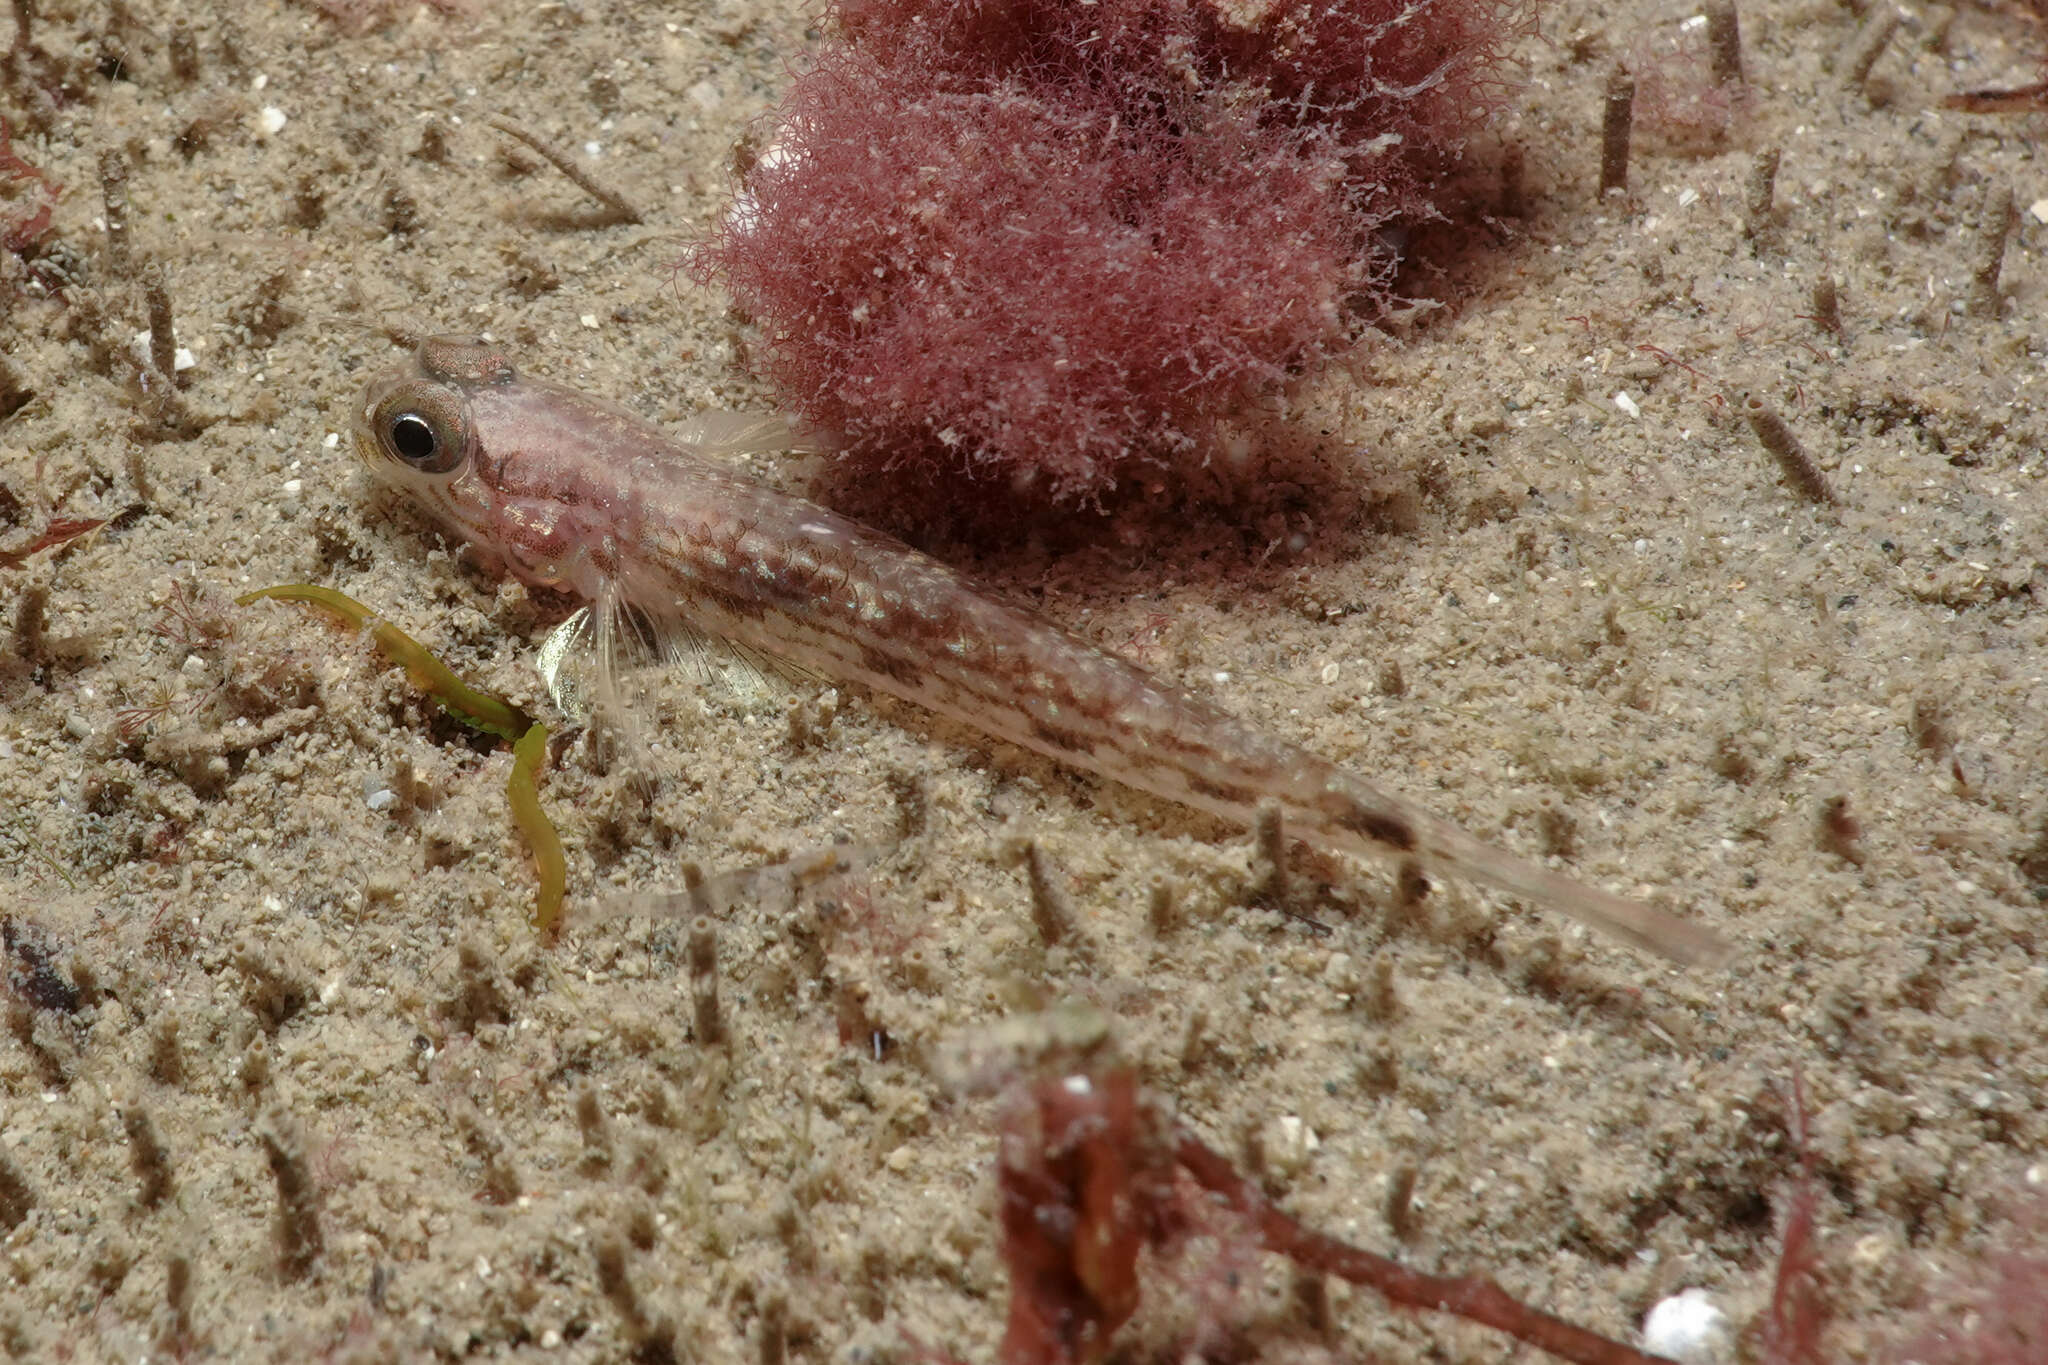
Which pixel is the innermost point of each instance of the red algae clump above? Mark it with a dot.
(1054, 251)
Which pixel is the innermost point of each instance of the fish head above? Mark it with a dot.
(421, 430)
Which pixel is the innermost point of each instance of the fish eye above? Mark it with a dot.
(412, 438)
(425, 429)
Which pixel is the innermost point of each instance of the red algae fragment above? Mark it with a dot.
(22, 225)
(1095, 1174)
(60, 531)
(1050, 250)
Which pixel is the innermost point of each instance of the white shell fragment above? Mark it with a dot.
(1689, 1327)
(1288, 1144)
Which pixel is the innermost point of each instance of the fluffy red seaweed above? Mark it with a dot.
(1059, 248)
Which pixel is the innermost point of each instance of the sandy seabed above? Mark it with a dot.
(1576, 608)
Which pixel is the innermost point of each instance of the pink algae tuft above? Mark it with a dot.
(1059, 248)
(1677, 94)
(1993, 1312)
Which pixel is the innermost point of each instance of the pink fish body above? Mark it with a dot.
(577, 494)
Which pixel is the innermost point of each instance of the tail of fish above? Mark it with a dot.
(1222, 764)
(1350, 802)
(840, 599)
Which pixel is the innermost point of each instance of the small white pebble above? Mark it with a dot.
(193, 666)
(1288, 1144)
(589, 320)
(181, 359)
(483, 1268)
(1871, 1251)
(77, 726)
(271, 121)
(1331, 672)
(294, 487)
(1627, 404)
(382, 799)
(332, 440)
(2038, 210)
(550, 1339)
(1689, 1327)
